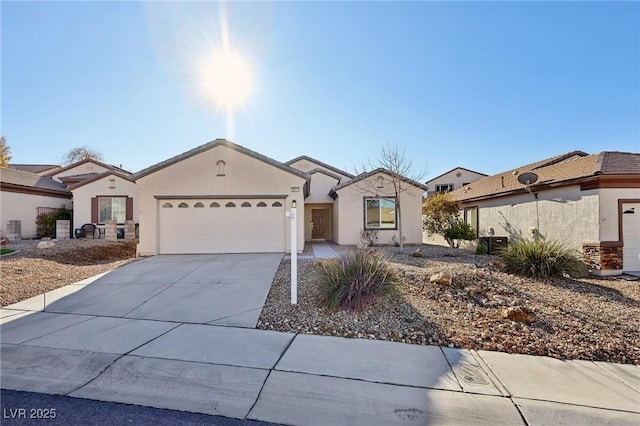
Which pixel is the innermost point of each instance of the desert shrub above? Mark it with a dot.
(369, 237)
(459, 231)
(481, 248)
(542, 259)
(46, 222)
(354, 280)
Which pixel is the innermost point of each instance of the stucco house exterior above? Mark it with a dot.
(454, 179)
(589, 202)
(223, 198)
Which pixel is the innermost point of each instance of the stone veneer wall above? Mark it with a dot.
(63, 229)
(603, 257)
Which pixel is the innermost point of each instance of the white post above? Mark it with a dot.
(294, 255)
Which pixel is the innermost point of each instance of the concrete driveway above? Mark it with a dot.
(226, 289)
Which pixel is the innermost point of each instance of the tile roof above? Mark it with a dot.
(31, 180)
(99, 176)
(88, 160)
(33, 168)
(365, 175)
(320, 163)
(562, 168)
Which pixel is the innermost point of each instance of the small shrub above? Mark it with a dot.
(354, 280)
(394, 240)
(481, 248)
(46, 222)
(369, 237)
(542, 259)
(459, 231)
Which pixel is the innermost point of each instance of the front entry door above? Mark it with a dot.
(317, 224)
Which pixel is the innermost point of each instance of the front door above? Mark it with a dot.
(317, 224)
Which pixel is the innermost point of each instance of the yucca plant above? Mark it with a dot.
(542, 259)
(354, 280)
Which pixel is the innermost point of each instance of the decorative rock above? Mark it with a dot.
(441, 278)
(46, 244)
(418, 253)
(4, 241)
(496, 264)
(519, 314)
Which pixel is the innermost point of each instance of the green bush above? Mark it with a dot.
(481, 248)
(354, 280)
(542, 259)
(459, 231)
(46, 222)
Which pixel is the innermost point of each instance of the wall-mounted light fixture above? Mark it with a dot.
(293, 204)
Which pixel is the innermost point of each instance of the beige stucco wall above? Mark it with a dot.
(82, 197)
(23, 207)
(80, 169)
(350, 212)
(244, 175)
(609, 210)
(321, 185)
(566, 214)
(466, 176)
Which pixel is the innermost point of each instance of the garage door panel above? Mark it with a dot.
(221, 229)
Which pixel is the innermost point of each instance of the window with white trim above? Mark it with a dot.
(447, 187)
(112, 208)
(380, 213)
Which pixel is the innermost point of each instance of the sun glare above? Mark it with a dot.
(226, 79)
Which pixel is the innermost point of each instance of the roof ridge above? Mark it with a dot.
(319, 163)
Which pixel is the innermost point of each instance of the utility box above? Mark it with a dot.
(495, 244)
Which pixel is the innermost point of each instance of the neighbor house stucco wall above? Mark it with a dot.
(609, 210)
(466, 176)
(566, 214)
(23, 207)
(350, 208)
(103, 187)
(197, 176)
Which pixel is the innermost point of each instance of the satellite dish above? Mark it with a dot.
(528, 178)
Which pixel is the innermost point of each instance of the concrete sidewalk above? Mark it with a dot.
(159, 354)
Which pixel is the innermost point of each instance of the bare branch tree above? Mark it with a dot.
(397, 169)
(5, 152)
(81, 153)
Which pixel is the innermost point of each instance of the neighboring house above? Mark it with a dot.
(95, 191)
(452, 180)
(22, 196)
(589, 202)
(223, 198)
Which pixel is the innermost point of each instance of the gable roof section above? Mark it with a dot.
(374, 172)
(101, 176)
(453, 170)
(88, 160)
(326, 173)
(320, 163)
(34, 168)
(12, 180)
(210, 145)
(572, 167)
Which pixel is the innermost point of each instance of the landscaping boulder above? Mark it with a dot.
(441, 278)
(496, 264)
(46, 244)
(519, 314)
(418, 253)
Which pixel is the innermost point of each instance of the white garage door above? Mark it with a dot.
(221, 226)
(631, 236)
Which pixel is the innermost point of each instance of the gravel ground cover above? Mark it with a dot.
(576, 318)
(31, 271)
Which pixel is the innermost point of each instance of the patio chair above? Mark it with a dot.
(88, 230)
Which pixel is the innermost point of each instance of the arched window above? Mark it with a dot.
(221, 165)
(198, 205)
(230, 204)
(167, 206)
(261, 204)
(276, 204)
(183, 205)
(214, 204)
(246, 204)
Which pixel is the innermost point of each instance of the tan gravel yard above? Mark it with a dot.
(32, 271)
(587, 318)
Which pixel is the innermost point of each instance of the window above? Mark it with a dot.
(112, 208)
(380, 213)
(262, 204)
(276, 204)
(471, 217)
(444, 187)
(245, 204)
(198, 204)
(230, 204)
(214, 204)
(183, 205)
(167, 206)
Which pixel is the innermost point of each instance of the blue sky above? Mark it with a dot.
(484, 85)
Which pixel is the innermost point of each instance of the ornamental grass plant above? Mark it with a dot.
(354, 280)
(542, 259)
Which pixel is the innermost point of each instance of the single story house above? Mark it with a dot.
(588, 202)
(453, 179)
(222, 198)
